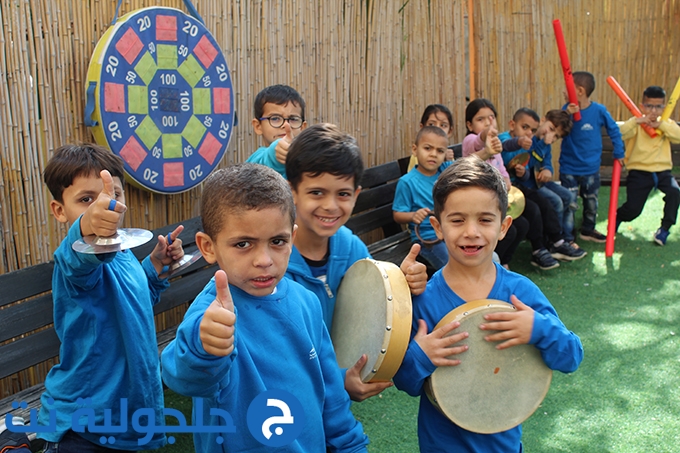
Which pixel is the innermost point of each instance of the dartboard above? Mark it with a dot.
(160, 96)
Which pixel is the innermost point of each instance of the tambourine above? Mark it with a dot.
(373, 315)
(416, 230)
(490, 390)
(516, 202)
(520, 159)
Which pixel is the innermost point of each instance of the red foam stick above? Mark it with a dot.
(566, 67)
(613, 205)
(630, 104)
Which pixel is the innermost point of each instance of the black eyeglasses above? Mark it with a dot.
(277, 121)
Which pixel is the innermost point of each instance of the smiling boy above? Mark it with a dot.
(280, 340)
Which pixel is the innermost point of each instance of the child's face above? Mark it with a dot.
(267, 131)
(482, 119)
(439, 120)
(253, 248)
(525, 126)
(430, 152)
(324, 203)
(80, 195)
(548, 132)
(652, 107)
(471, 226)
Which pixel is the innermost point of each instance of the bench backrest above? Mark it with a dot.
(26, 310)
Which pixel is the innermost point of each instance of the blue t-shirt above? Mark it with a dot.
(560, 348)
(281, 342)
(414, 191)
(103, 315)
(581, 152)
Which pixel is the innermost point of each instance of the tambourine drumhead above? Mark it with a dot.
(372, 316)
(516, 202)
(490, 390)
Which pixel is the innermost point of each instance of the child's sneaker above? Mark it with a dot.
(593, 236)
(661, 236)
(10, 441)
(543, 260)
(567, 252)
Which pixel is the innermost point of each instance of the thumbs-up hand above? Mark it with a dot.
(493, 143)
(415, 272)
(104, 215)
(168, 250)
(217, 326)
(283, 144)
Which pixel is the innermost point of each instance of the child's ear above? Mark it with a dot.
(257, 126)
(505, 225)
(511, 125)
(206, 246)
(58, 211)
(414, 147)
(437, 227)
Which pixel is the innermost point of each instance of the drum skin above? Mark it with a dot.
(491, 390)
(373, 315)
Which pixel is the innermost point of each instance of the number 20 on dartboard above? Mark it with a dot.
(160, 97)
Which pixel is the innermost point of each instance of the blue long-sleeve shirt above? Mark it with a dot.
(581, 152)
(266, 155)
(282, 343)
(560, 349)
(103, 315)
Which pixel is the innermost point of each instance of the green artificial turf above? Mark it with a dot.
(625, 397)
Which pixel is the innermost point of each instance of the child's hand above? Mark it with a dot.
(356, 388)
(544, 175)
(420, 215)
(573, 108)
(492, 143)
(622, 162)
(449, 154)
(415, 272)
(216, 330)
(520, 170)
(513, 327)
(437, 347)
(167, 251)
(283, 144)
(524, 142)
(98, 219)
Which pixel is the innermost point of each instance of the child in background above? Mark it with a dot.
(470, 202)
(103, 308)
(324, 168)
(248, 217)
(436, 115)
(649, 163)
(554, 125)
(279, 117)
(581, 152)
(413, 202)
(482, 141)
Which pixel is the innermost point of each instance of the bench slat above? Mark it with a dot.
(377, 196)
(184, 289)
(25, 283)
(188, 235)
(25, 317)
(370, 220)
(380, 174)
(28, 351)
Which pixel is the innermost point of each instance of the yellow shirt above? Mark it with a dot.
(649, 154)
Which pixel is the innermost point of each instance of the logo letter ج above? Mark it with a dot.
(285, 419)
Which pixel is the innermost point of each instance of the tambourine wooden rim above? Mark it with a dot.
(518, 375)
(373, 315)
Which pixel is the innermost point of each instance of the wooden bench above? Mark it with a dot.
(27, 335)
(606, 167)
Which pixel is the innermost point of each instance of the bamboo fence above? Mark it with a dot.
(370, 67)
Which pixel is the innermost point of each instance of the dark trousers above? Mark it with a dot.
(73, 443)
(550, 222)
(516, 234)
(639, 185)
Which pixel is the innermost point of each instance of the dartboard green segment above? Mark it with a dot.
(163, 99)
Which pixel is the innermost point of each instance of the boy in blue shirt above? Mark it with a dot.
(324, 168)
(470, 204)
(582, 152)
(279, 117)
(103, 308)
(280, 340)
(413, 197)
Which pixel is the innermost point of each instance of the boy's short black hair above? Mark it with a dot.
(561, 120)
(654, 92)
(73, 160)
(438, 131)
(469, 171)
(526, 111)
(279, 95)
(239, 188)
(436, 108)
(585, 80)
(322, 148)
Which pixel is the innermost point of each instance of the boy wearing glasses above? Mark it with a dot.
(649, 163)
(279, 117)
(582, 152)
